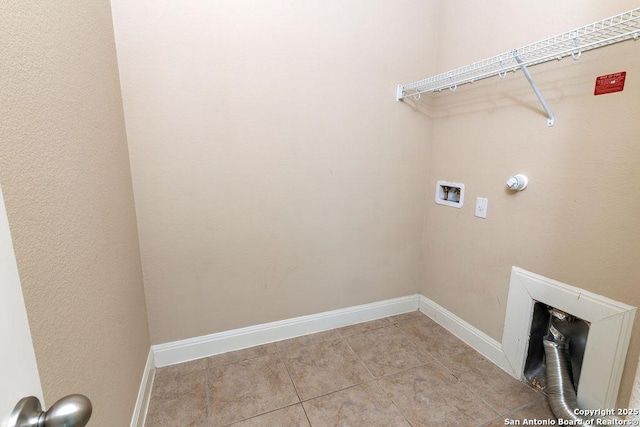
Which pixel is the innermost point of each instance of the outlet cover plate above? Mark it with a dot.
(481, 207)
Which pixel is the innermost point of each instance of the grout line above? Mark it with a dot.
(305, 414)
(208, 391)
(359, 359)
(264, 413)
(393, 402)
(500, 417)
(391, 399)
(295, 388)
(478, 395)
(338, 391)
(438, 360)
(472, 391)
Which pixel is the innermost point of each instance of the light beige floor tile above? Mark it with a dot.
(387, 350)
(363, 327)
(323, 368)
(188, 409)
(240, 355)
(498, 389)
(430, 395)
(169, 384)
(294, 343)
(533, 412)
(183, 368)
(253, 387)
(434, 339)
(412, 317)
(291, 416)
(245, 389)
(358, 406)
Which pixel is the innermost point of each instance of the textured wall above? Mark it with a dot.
(274, 173)
(65, 174)
(578, 221)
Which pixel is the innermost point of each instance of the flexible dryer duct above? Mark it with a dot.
(560, 391)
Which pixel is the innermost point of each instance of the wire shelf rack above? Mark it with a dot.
(618, 28)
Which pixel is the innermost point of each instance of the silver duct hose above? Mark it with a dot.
(560, 389)
(560, 392)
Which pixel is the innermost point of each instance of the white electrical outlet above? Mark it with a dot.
(481, 207)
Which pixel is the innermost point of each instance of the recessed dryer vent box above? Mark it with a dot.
(450, 194)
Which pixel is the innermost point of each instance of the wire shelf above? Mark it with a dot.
(618, 28)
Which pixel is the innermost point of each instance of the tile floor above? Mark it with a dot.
(403, 370)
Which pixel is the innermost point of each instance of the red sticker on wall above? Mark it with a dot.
(610, 83)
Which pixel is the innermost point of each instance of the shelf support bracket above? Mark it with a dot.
(525, 71)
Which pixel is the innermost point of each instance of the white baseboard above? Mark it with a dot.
(144, 393)
(478, 340)
(237, 339)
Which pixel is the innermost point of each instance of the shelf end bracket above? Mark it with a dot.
(525, 71)
(399, 93)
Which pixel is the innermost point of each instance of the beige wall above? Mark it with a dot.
(65, 174)
(578, 220)
(274, 173)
